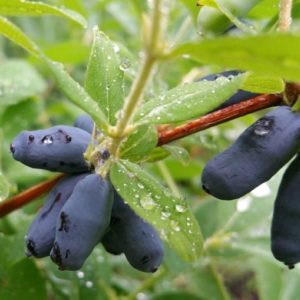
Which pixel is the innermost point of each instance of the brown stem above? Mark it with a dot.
(218, 117)
(167, 135)
(27, 196)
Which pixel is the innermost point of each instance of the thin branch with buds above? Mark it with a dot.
(166, 136)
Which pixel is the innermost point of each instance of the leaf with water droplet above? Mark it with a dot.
(76, 93)
(140, 143)
(15, 34)
(179, 153)
(104, 79)
(28, 8)
(155, 203)
(18, 81)
(188, 101)
(71, 88)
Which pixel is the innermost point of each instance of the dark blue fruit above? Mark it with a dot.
(59, 148)
(258, 153)
(285, 233)
(238, 97)
(85, 122)
(111, 243)
(138, 239)
(40, 237)
(82, 222)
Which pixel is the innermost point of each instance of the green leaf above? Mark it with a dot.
(232, 13)
(4, 187)
(209, 283)
(156, 154)
(263, 84)
(215, 21)
(28, 8)
(264, 54)
(290, 285)
(76, 93)
(176, 296)
(72, 89)
(211, 3)
(104, 78)
(140, 143)
(265, 9)
(24, 281)
(15, 34)
(179, 153)
(154, 203)
(19, 80)
(192, 8)
(64, 52)
(11, 251)
(188, 101)
(268, 278)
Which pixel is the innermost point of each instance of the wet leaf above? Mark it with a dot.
(140, 143)
(154, 202)
(188, 101)
(104, 78)
(18, 81)
(30, 8)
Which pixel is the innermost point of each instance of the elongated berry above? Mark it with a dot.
(111, 243)
(259, 152)
(40, 237)
(85, 122)
(137, 238)
(285, 233)
(82, 222)
(59, 148)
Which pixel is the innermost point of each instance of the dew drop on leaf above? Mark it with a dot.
(80, 274)
(174, 225)
(125, 64)
(147, 202)
(180, 208)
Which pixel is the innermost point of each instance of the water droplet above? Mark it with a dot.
(262, 190)
(165, 215)
(130, 175)
(180, 208)
(243, 204)
(80, 274)
(47, 139)
(141, 186)
(125, 64)
(175, 225)
(263, 126)
(163, 235)
(116, 48)
(147, 202)
(89, 284)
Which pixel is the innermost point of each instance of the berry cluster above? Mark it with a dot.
(82, 209)
(258, 153)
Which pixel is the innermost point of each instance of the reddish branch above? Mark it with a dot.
(27, 196)
(168, 135)
(218, 117)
